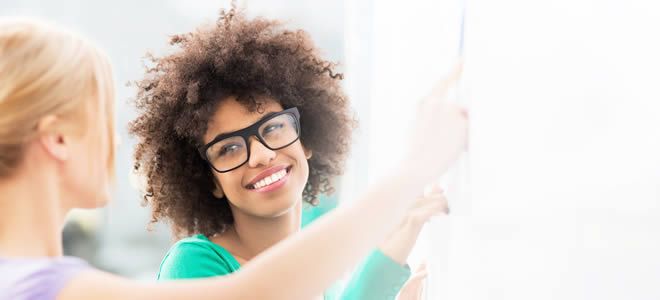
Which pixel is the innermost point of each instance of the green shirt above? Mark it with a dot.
(378, 277)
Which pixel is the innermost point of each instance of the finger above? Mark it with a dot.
(410, 289)
(464, 112)
(438, 93)
(441, 202)
(424, 212)
(414, 286)
(433, 191)
(422, 266)
(442, 212)
(433, 188)
(428, 191)
(443, 208)
(430, 198)
(422, 202)
(416, 279)
(443, 84)
(418, 276)
(410, 292)
(420, 291)
(426, 216)
(425, 204)
(418, 219)
(436, 198)
(425, 208)
(431, 204)
(436, 187)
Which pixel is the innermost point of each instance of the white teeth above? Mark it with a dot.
(277, 176)
(270, 179)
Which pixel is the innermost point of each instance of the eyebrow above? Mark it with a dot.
(268, 115)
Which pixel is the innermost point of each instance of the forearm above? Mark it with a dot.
(401, 241)
(378, 277)
(398, 247)
(332, 244)
(312, 259)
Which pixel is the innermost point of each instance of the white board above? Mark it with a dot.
(564, 160)
(559, 194)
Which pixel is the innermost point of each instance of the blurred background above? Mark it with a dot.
(558, 195)
(115, 238)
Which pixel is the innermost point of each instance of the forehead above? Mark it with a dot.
(231, 115)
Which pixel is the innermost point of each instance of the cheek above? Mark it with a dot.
(99, 166)
(86, 177)
(302, 161)
(103, 183)
(229, 183)
(97, 170)
(304, 165)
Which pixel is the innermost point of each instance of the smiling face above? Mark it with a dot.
(272, 181)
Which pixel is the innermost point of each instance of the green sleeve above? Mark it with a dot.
(192, 260)
(378, 277)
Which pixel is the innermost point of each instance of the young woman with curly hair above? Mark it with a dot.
(56, 134)
(238, 127)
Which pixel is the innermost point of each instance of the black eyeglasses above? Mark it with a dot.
(229, 151)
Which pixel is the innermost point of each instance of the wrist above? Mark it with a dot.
(426, 167)
(398, 256)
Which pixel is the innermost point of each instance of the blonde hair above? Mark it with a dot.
(48, 71)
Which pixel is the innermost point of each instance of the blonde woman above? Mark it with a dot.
(57, 152)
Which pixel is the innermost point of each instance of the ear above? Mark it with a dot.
(55, 144)
(217, 191)
(308, 152)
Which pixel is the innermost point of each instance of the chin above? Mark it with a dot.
(93, 203)
(96, 200)
(103, 198)
(102, 202)
(277, 208)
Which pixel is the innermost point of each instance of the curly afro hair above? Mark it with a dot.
(248, 59)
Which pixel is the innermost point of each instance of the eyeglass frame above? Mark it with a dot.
(247, 132)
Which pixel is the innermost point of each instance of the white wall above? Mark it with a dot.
(559, 195)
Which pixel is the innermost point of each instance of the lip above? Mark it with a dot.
(274, 186)
(267, 173)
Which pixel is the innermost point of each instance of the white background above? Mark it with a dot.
(559, 194)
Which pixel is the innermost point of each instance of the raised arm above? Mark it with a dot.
(341, 238)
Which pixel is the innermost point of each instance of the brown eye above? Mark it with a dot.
(228, 149)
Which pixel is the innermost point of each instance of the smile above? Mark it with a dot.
(271, 182)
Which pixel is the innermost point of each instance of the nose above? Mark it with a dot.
(260, 155)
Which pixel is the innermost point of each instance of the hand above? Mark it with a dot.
(439, 132)
(413, 289)
(401, 241)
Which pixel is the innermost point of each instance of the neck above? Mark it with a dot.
(256, 234)
(31, 216)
